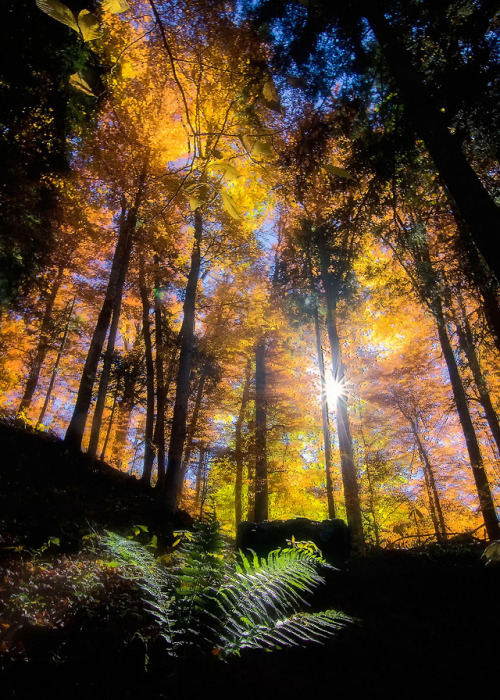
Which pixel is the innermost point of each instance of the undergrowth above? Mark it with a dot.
(203, 598)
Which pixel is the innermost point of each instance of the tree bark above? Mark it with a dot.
(159, 432)
(261, 499)
(173, 476)
(149, 454)
(57, 363)
(324, 417)
(475, 205)
(43, 343)
(76, 428)
(110, 423)
(192, 426)
(102, 391)
(238, 445)
(434, 500)
(348, 469)
(486, 502)
(466, 343)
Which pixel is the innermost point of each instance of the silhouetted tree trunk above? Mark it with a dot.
(193, 425)
(127, 225)
(57, 363)
(434, 501)
(102, 391)
(261, 501)
(238, 444)
(149, 454)
(110, 423)
(43, 343)
(476, 461)
(159, 433)
(349, 477)
(475, 205)
(466, 342)
(173, 476)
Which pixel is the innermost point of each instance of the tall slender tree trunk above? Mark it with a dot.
(476, 207)
(480, 275)
(173, 476)
(55, 369)
(349, 477)
(76, 428)
(43, 343)
(261, 498)
(102, 391)
(159, 433)
(324, 417)
(434, 500)
(486, 502)
(199, 475)
(371, 494)
(191, 432)
(324, 399)
(149, 454)
(110, 422)
(238, 444)
(466, 342)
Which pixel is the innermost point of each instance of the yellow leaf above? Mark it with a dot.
(195, 203)
(228, 170)
(58, 11)
(89, 25)
(230, 206)
(115, 6)
(79, 83)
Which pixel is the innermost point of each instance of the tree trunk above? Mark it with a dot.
(57, 363)
(466, 342)
(192, 427)
(476, 461)
(76, 428)
(324, 417)
(110, 424)
(199, 476)
(434, 500)
(125, 407)
(173, 474)
(261, 499)
(43, 343)
(349, 477)
(238, 444)
(371, 493)
(475, 205)
(159, 433)
(149, 454)
(102, 392)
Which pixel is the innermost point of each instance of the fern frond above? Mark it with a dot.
(152, 577)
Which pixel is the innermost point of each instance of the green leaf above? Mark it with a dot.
(79, 83)
(114, 6)
(58, 11)
(230, 206)
(89, 25)
(333, 170)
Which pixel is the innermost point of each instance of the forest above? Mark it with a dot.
(247, 273)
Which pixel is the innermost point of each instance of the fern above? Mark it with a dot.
(202, 601)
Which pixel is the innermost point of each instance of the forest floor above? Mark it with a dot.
(429, 618)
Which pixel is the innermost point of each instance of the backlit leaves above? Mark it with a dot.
(230, 206)
(86, 24)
